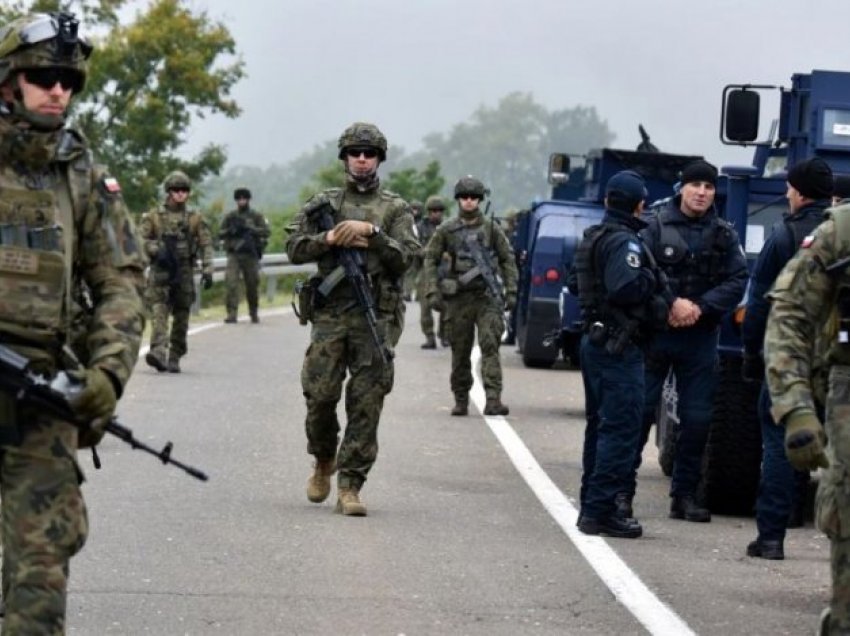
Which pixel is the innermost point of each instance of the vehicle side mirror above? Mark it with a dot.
(559, 168)
(742, 116)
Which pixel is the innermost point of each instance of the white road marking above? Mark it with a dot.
(648, 609)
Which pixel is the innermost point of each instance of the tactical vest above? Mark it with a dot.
(39, 232)
(462, 241)
(373, 208)
(691, 273)
(800, 227)
(839, 335)
(184, 225)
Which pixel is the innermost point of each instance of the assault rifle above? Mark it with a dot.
(483, 262)
(171, 264)
(351, 265)
(54, 396)
(238, 229)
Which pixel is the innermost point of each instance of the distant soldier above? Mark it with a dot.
(434, 208)
(63, 227)
(412, 273)
(376, 227)
(245, 233)
(807, 355)
(480, 283)
(175, 238)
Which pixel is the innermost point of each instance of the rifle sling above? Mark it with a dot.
(468, 277)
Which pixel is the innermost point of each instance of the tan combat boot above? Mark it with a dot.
(494, 406)
(349, 503)
(461, 405)
(319, 483)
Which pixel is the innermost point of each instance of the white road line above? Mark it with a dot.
(653, 614)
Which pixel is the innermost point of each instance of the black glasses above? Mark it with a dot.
(369, 153)
(47, 77)
(469, 196)
(180, 189)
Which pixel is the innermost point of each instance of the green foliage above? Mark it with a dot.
(416, 185)
(508, 146)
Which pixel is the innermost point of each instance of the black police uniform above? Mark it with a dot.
(623, 302)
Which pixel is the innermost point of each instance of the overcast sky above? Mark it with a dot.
(420, 66)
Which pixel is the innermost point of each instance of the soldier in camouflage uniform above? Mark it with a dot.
(434, 207)
(175, 238)
(807, 356)
(378, 225)
(245, 233)
(63, 227)
(412, 273)
(478, 251)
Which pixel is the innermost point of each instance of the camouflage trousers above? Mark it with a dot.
(469, 311)
(44, 524)
(340, 344)
(248, 267)
(410, 279)
(832, 506)
(426, 317)
(162, 305)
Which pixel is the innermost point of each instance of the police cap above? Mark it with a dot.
(625, 190)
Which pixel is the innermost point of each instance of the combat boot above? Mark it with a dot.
(688, 509)
(772, 550)
(173, 364)
(156, 360)
(494, 406)
(230, 320)
(623, 506)
(612, 526)
(319, 483)
(430, 342)
(349, 503)
(461, 405)
(255, 317)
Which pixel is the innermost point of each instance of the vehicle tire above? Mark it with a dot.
(733, 452)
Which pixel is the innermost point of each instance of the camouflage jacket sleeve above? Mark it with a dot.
(203, 244)
(507, 262)
(802, 300)
(149, 233)
(431, 261)
(396, 244)
(306, 243)
(261, 228)
(112, 264)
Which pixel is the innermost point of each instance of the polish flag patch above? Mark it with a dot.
(807, 242)
(111, 184)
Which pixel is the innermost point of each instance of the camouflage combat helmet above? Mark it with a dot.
(469, 185)
(363, 135)
(434, 203)
(43, 40)
(176, 179)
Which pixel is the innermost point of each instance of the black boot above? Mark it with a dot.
(687, 508)
(623, 502)
(612, 526)
(461, 405)
(494, 406)
(766, 550)
(430, 342)
(173, 364)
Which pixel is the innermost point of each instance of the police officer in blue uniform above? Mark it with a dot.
(702, 257)
(624, 299)
(810, 186)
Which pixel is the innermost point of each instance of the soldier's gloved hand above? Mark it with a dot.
(96, 402)
(804, 441)
(207, 280)
(351, 233)
(435, 301)
(510, 302)
(752, 367)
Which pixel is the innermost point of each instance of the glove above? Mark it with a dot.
(206, 280)
(349, 231)
(752, 367)
(95, 403)
(436, 302)
(804, 441)
(510, 302)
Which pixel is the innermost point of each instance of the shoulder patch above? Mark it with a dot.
(111, 185)
(633, 259)
(634, 246)
(807, 241)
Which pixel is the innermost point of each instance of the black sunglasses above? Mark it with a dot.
(46, 78)
(180, 189)
(369, 153)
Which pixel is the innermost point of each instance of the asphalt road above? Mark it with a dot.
(470, 527)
